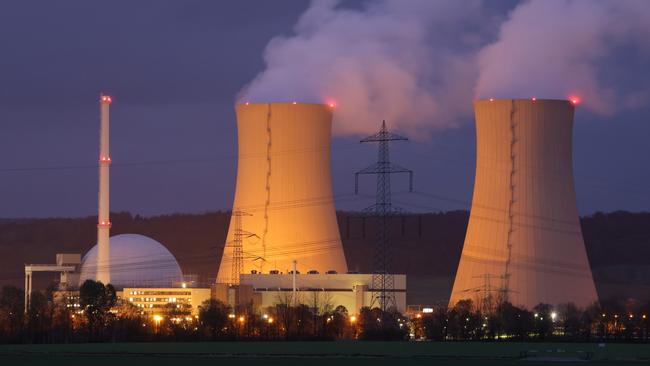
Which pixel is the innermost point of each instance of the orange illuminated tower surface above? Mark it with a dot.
(284, 185)
(524, 242)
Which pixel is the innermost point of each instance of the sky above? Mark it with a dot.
(175, 70)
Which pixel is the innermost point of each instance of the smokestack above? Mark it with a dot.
(524, 241)
(103, 273)
(284, 184)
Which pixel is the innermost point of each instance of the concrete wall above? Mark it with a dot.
(350, 290)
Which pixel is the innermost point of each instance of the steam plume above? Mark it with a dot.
(419, 64)
(561, 48)
(409, 62)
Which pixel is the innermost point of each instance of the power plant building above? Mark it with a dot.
(315, 290)
(524, 242)
(283, 208)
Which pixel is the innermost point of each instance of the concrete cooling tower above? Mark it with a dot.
(524, 242)
(283, 208)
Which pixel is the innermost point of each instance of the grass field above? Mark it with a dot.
(324, 353)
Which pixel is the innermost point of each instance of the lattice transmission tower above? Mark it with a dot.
(383, 286)
(238, 246)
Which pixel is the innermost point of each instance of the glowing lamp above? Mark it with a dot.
(574, 100)
(491, 99)
(534, 99)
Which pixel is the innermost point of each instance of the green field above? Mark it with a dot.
(324, 353)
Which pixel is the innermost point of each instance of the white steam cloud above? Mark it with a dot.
(559, 48)
(420, 63)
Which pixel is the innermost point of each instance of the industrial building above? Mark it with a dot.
(283, 223)
(283, 208)
(315, 290)
(524, 242)
(152, 300)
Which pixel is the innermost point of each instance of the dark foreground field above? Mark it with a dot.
(325, 353)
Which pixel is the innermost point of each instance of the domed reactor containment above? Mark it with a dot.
(135, 261)
(524, 242)
(283, 208)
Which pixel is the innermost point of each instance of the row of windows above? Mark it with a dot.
(159, 299)
(177, 293)
(151, 306)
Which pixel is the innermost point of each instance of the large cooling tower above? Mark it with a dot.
(284, 191)
(524, 243)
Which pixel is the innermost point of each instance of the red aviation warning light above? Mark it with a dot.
(574, 100)
(106, 99)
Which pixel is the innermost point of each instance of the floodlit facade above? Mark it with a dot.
(162, 300)
(283, 192)
(524, 242)
(322, 291)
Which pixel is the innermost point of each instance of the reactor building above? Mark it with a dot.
(524, 242)
(283, 210)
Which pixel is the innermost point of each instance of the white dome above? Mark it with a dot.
(135, 261)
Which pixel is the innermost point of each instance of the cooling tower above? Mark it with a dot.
(524, 242)
(283, 193)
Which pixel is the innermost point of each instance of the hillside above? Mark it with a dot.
(426, 246)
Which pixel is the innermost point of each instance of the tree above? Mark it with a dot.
(11, 313)
(38, 317)
(213, 316)
(510, 320)
(435, 324)
(571, 320)
(543, 320)
(96, 301)
(378, 325)
(464, 323)
(337, 324)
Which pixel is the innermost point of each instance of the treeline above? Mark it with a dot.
(102, 317)
(612, 320)
(197, 240)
